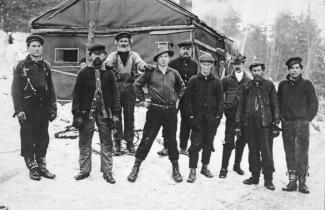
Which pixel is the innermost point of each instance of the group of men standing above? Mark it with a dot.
(106, 85)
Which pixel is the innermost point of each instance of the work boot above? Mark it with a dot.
(183, 152)
(205, 171)
(176, 175)
(117, 149)
(130, 147)
(192, 176)
(109, 178)
(269, 185)
(292, 186)
(81, 175)
(135, 170)
(238, 170)
(223, 173)
(254, 179)
(302, 184)
(163, 152)
(43, 171)
(33, 168)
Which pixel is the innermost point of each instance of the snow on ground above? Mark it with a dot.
(154, 188)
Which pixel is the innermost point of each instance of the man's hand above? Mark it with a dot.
(237, 132)
(21, 116)
(115, 119)
(144, 104)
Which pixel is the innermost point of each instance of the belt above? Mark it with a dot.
(160, 106)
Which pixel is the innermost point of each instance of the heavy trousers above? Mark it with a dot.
(127, 100)
(34, 133)
(155, 118)
(296, 143)
(260, 145)
(229, 143)
(106, 144)
(202, 138)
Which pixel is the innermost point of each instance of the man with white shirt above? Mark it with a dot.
(232, 85)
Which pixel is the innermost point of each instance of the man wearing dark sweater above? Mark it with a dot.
(298, 106)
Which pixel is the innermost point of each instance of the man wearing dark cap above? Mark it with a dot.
(232, 85)
(95, 99)
(125, 64)
(186, 67)
(298, 107)
(204, 103)
(165, 88)
(34, 102)
(258, 111)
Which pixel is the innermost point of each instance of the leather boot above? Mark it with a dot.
(302, 184)
(135, 170)
(254, 179)
(163, 152)
(81, 175)
(117, 148)
(176, 175)
(205, 171)
(238, 170)
(192, 176)
(268, 184)
(223, 173)
(33, 168)
(292, 186)
(183, 152)
(130, 147)
(43, 171)
(109, 178)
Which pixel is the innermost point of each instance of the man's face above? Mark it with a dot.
(123, 44)
(35, 49)
(163, 60)
(100, 55)
(185, 51)
(257, 72)
(238, 67)
(295, 70)
(206, 68)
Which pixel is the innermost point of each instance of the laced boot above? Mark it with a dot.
(205, 171)
(109, 178)
(238, 170)
(81, 175)
(135, 170)
(254, 179)
(176, 175)
(223, 173)
(292, 186)
(163, 152)
(268, 184)
(43, 171)
(33, 169)
(302, 184)
(192, 176)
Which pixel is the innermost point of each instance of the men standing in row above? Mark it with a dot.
(204, 103)
(34, 102)
(258, 110)
(298, 106)
(95, 99)
(186, 67)
(165, 88)
(125, 64)
(232, 86)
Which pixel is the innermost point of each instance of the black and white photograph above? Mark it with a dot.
(162, 104)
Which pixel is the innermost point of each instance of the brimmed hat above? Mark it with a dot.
(292, 61)
(185, 43)
(238, 59)
(206, 57)
(34, 37)
(96, 47)
(255, 64)
(161, 50)
(122, 35)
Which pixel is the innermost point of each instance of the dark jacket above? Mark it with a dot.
(84, 90)
(297, 99)
(204, 96)
(32, 86)
(185, 67)
(164, 89)
(232, 89)
(266, 95)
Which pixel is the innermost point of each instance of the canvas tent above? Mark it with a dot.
(151, 23)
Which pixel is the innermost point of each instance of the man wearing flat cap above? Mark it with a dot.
(95, 100)
(125, 64)
(204, 103)
(186, 67)
(258, 111)
(232, 85)
(34, 102)
(298, 107)
(165, 87)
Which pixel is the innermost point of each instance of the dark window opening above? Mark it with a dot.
(66, 55)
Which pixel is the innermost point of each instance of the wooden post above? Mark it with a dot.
(91, 36)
